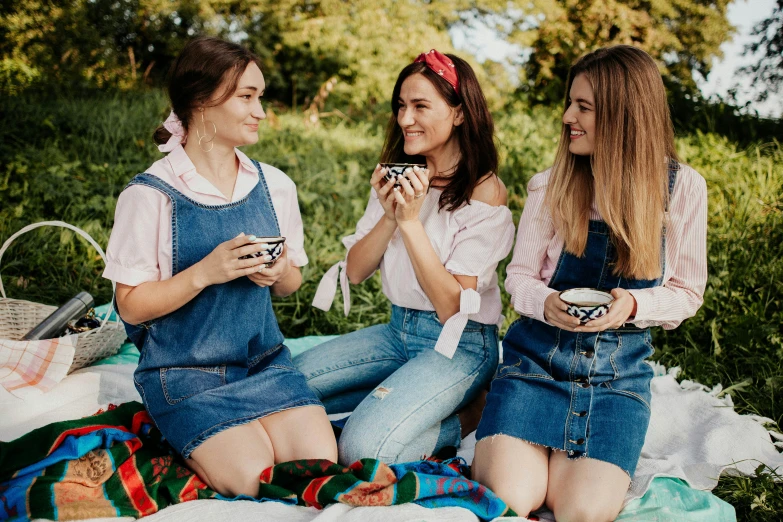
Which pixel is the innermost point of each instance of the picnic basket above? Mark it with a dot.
(17, 317)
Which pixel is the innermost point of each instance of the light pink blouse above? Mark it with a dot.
(140, 243)
(538, 249)
(471, 241)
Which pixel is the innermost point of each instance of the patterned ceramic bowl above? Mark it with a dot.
(586, 304)
(274, 248)
(397, 170)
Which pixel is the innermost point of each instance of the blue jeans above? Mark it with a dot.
(403, 394)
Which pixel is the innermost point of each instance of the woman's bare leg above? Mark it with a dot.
(515, 470)
(587, 490)
(301, 433)
(232, 461)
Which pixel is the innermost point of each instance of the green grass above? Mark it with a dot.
(68, 159)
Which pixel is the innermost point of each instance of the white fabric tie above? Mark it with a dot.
(327, 289)
(469, 303)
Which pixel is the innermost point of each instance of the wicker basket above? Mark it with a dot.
(17, 317)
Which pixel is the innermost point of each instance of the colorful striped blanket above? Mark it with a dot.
(116, 463)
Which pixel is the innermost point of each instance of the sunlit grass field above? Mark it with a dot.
(68, 160)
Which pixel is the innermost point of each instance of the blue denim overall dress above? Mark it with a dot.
(219, 360)
(587, 394)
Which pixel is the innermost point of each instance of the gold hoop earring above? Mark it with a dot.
(202, 135)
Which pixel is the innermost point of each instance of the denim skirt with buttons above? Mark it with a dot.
(586, 394)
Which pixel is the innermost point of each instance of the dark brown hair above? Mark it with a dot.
(204, 64)
(479, 156)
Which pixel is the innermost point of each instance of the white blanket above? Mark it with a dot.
(694, 434)
(211, 510)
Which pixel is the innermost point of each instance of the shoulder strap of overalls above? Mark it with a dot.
(674, 168)
(148, 180)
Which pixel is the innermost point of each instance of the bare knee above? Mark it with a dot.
(523, 500)
(514, 486)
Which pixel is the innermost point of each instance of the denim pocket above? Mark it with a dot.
(638, 394)
(181, 383)
(515, 371)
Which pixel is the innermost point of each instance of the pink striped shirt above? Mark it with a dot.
(538, 249)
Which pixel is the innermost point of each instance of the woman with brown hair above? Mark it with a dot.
(568, 409)
(437, 235)
(194, 282)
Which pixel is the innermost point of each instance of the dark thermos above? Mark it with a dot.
(54, 325)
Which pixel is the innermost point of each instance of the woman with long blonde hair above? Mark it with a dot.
(568, 409)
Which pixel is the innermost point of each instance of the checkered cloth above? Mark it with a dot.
(30, 368)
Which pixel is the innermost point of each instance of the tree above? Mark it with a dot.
(363, 44)
(768, 72)
(72, 44)
(75, 44)
(682, 35)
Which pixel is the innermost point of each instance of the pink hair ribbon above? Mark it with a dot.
(178, 136)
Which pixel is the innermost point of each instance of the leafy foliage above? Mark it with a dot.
(683, 35)
(125, 44)
(77, 44)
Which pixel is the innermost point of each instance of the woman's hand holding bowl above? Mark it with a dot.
(623, 306)
(555, 313)
(267, 276)
(385, 191)
(223, 264)
(410, 196)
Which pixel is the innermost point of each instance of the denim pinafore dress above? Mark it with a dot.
(219, 360)
(587, 394)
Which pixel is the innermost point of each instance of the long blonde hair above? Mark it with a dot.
(627, 174)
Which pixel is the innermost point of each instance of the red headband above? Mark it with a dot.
(441, 65)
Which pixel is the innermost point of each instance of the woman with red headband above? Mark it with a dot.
(437, 235)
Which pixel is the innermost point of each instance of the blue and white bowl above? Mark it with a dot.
(587, 304)
(395, 171)
(274, 248)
